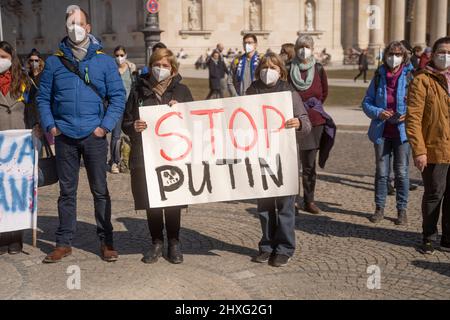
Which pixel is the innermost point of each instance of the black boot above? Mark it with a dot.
(378, 216)
(156, 252)
(175, 255)
(16, 244)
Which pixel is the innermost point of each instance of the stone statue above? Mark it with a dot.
(309, 17)
(194, 18)
(255, 23)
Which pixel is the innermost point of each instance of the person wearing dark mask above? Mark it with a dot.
(277, 215)
(75, 86)
(428, 130)
(385, 105)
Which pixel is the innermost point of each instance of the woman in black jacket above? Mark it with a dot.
(217, 71)
(161, 86)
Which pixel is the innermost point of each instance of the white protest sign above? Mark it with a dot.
(220, 150)
(18, 181)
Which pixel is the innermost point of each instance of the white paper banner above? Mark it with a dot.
(220, 150)
(18, 181)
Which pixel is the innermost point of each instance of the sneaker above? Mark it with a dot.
(378, 216)
(413, 187)
(427, 248)
(262, 257)
(154, 254)
(402, 220)
(279, 260)
(115, 169)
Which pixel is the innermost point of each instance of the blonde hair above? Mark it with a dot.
(164, 53)
(274, 59)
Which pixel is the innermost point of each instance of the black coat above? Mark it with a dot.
(142, 94)
(217, 72)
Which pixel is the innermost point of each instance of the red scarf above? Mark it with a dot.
(5, 82)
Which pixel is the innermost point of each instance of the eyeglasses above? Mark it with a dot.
(33, 60)
(398, 54)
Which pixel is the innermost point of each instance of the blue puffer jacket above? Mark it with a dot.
(376, 102)
(67, 103)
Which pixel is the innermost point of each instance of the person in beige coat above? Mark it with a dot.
(428, 130)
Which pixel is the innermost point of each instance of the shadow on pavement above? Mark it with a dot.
(136, 240)
(439, 267)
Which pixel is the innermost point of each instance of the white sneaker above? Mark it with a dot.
(115, 169)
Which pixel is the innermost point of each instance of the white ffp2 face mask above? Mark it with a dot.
(394, 61)
(121, 60)
(76, 33)
(304, 53)
(269, 76)
(442, 61)
(160, 74)
(249, 48)
(5, 65)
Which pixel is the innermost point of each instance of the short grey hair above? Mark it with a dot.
(303, 40)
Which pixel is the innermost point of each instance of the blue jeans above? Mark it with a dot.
(68, 155)
(278, 229)
(115, 143)
(401, 152)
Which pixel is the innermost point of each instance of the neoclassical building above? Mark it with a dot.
(196, 25)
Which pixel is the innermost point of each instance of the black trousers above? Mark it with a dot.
(309, 174)
(155, 219)
(436, 180)
(362, 72)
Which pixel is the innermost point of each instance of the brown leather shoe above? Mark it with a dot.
(312, 208)
(108, 253)
(58, 254)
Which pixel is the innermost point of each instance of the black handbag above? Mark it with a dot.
(47, 167)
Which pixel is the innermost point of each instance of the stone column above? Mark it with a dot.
(439, 23)
(419, 24)
(363, 30)
(398, 20)
(348, 25)
(377, 29)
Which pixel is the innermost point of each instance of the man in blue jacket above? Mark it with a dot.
(72, 109)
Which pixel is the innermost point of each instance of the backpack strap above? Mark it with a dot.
(74, 69)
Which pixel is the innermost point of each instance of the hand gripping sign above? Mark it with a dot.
(220, 150)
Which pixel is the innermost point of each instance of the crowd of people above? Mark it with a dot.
(64, 98)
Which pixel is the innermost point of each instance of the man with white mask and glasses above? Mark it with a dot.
(242, 70)
(81, 98)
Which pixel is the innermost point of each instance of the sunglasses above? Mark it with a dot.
(120, 55)
(33, 60)
(395, 54)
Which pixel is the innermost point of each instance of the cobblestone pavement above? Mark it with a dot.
(334, 249)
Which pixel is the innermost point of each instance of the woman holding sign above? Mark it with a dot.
(277, 215)
(161, 86)
(13, 84)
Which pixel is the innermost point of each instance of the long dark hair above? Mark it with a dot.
(18, 77)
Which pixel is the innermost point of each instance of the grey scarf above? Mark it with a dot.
(80, 50)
